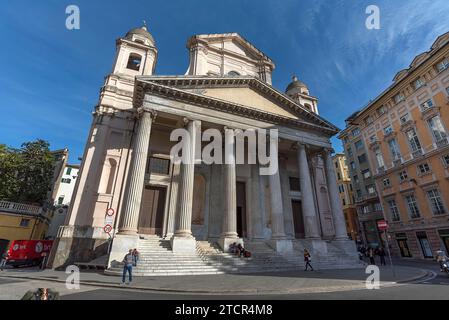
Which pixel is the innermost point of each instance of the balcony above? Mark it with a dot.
(20, 208)
(417, 153)
(442, 143)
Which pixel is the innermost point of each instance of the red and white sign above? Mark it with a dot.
(107, 228)
(382, 225)
(110, 212)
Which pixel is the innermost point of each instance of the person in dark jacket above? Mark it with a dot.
(382, 255)
(371, 256)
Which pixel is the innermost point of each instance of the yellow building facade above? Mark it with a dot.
(346, 192)
(406, 131)
(21, 222)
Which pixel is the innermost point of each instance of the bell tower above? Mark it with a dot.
(136, 53)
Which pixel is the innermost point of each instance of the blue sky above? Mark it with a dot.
(50, 76)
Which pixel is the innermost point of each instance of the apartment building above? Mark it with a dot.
(404, 132)
(366, 200)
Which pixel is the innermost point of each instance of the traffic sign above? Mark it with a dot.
(107, 228)
(382, 225)
(110, 212)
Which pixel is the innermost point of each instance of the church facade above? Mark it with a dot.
(128, 179)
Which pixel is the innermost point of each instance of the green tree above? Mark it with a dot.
(26, 173)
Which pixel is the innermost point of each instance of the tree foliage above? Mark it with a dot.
(26, 174)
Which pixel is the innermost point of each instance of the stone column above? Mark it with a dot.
(183, 240)
(307, 199)
(337, 210)
(229, 226)
(278, 237)
(136, 179)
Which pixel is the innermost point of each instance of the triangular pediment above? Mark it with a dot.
(231, 43)
(244, 95)
(250, 98)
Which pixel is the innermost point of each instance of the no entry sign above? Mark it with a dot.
(382, 225)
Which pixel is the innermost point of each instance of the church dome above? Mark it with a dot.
(296, 86)
(140, 32)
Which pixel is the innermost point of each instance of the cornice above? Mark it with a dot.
(173, 85)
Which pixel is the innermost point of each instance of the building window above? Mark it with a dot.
(356, 178)
(338, 175)
(399, 98)
(426, 105)
(68, 171)
(61, 200)
(413, 209)
(368, 120)
(405, 118)
(343, 201)
(359, 194)
(442, 65)
(418, 83)
(435, 202)
(366, 173)
(388, 130)
(353, 166)
(394, 211)
(365, 209)
(438, 131)
(233, 73)
(381, 110)
(24, 222)
(378, 207)
(413, 140)
(403, 176)
(362, 158)
(355, 132)
(349, 150)
(159, 166)
(394, 149)
(445, 159)
(66, 180)
(358, 144)
(370, 189)
(294, 184)
(423, 168)
(379, 158)
(134, 62)
(386, 182)
(447, 90)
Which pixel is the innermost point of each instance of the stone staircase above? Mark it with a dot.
(157, 259)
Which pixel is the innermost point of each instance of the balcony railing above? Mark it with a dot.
(20, 208)
(442, 143)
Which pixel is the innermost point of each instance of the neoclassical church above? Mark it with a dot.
(182, 217)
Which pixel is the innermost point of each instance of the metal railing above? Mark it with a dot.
(20, 208)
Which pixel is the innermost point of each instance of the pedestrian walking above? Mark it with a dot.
(43, 263)
(371, 256)
(307, 259)
(136, 255)
(3, 261)
(382, 255)
(128, 261)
